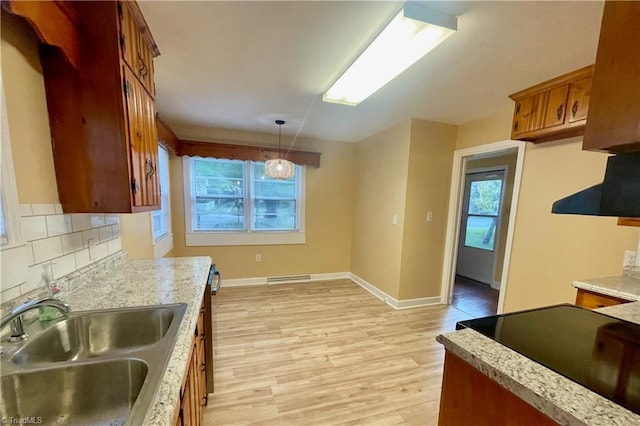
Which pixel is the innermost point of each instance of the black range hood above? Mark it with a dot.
(618, 195)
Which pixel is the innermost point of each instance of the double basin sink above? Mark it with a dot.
(90, 367)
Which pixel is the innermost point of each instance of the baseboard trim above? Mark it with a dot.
(245, 282)
(392, 301)
(389, 300)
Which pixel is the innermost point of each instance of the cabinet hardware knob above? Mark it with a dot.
(559, 112)
(574, 108)
(515, 126)
(518, 108)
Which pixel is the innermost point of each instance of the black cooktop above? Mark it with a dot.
(597, 351)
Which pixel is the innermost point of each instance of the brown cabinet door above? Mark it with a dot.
(556, 106)
(523, 115)
(128, 35)
(143, 145)
(152, 181)
(614, 106)
(202, 372)
(578, 104)
(136, 137)
(186, 408)
(196, 414)
(145, 65)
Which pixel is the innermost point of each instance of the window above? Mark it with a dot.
(482, 215)
(10, 234)
(4, 239)
(162, 218)
(232, 202)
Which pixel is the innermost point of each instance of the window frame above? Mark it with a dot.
(9, 193)
(248, 236)
(165, 207)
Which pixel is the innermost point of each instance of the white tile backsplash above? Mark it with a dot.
(80, 222)
(64, 265)
(58, 224)
(114, 245)
(98, 251)
(35, 274)
(33, 227)
(43, 209)
(14, 265)
(105, 233)
(25, 210)
(10, 294)
(91, 237)
(47, 249)
(98, 220)
(72, 242)
(58, 242)
(82, 258)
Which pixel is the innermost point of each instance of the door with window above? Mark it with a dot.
(480, 220)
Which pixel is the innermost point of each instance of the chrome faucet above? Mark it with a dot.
(14, 318)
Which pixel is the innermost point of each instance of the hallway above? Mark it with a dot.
(473, 298)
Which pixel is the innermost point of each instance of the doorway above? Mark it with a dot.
(475, 291)
(484, 193)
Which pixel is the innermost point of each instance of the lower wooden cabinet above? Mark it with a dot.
(590, 300)
(194, 393)
(471, 398)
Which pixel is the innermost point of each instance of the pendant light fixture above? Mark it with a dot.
(279, 168)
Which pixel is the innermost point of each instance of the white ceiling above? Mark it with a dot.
(241, 65)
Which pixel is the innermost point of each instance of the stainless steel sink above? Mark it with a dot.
(96, 393)
(89, 335)
(89, 367)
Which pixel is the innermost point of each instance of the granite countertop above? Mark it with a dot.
(623, 286)
(152, 282)
(560, 398)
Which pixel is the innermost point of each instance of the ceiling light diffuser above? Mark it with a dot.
(410, 35)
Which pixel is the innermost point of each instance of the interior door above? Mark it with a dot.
(479, 222)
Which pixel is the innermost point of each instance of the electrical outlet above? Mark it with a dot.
(429, 216)
(394, 219)
(629, 258)
(258, 257)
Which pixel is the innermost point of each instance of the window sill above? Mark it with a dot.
(163, 245)
(243, 238)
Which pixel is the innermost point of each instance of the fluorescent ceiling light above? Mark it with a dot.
(410, 35)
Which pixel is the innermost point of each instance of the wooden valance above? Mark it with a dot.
(166, 137)
(180, 147)
(55, 23)
(244, 152)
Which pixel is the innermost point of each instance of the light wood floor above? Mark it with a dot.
(324, 353)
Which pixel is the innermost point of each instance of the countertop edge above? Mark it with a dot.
(610, 286)
(542, 388)
(167, 395)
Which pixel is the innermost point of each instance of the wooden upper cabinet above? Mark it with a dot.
(578, 105)
(614, 108)
(102, 114)
(143, 147)
(556, 105)
(136, 50)
(545, 112)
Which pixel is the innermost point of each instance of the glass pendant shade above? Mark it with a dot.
(279, 168)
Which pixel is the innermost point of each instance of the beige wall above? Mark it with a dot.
(27, 113)
(428, 186)
(381, 185)
(550, 251)
(508, 160)
(137, 235)
(328, 221)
